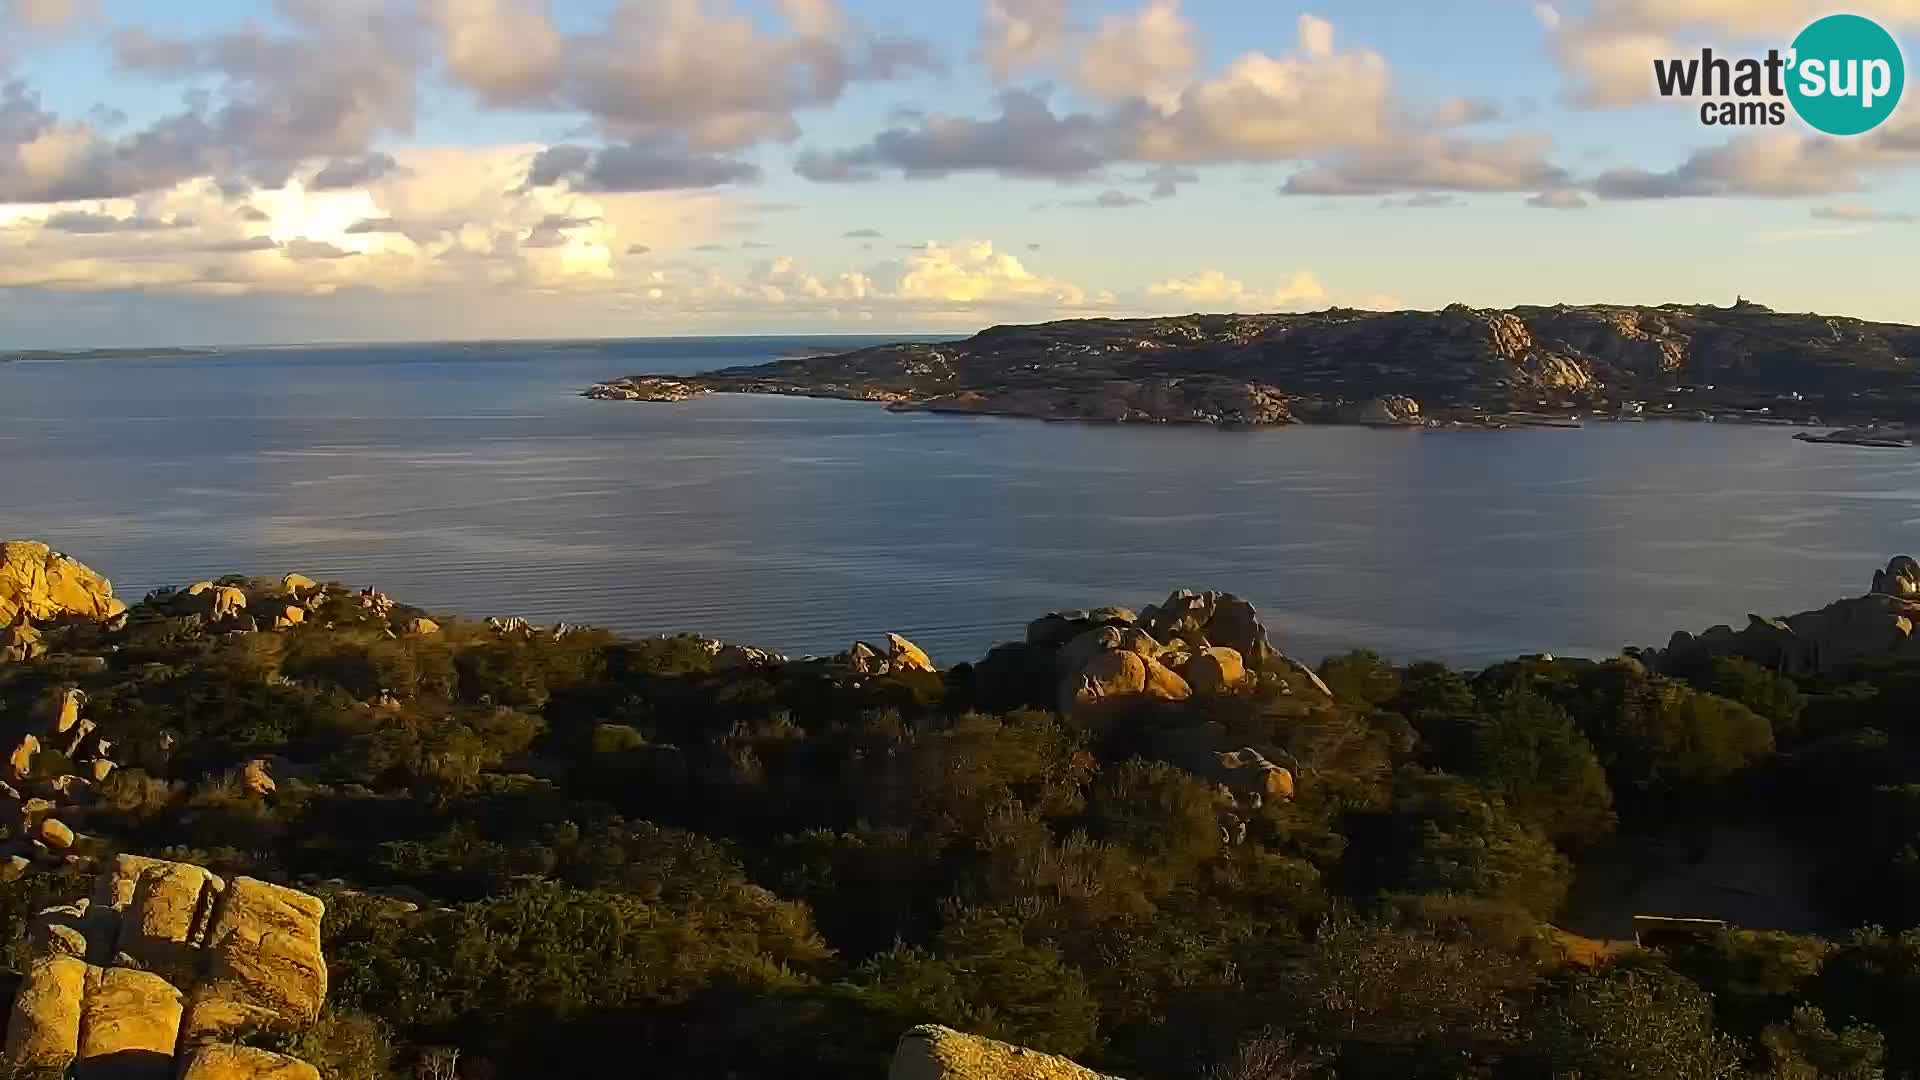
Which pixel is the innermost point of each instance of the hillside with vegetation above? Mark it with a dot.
(1460, 365)
(1148, 841)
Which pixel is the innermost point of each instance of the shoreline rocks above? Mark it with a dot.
(1874, 627)
(643, 388)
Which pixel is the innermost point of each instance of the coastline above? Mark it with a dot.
(665, 389)
(1456, 368)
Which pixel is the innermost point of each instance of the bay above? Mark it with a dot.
(472, 478)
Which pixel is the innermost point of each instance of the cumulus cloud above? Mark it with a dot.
(1215, 290)
(1028, 139)
(673, 85)
(507, 51)
(1860, 212)
(1016, 34)
(1147, 54)
(240, 245)
(1268, 108)
(861, 234)
(338, 77)
(302, 248)
(351, 172)
(978, 273)
(685, 70)
(448, 220)
(1260, 108)
(85, 221)
(636, 166)
(1770, 164)
(371, 226)
(1434, 163)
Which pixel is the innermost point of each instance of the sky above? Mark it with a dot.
(250, 171)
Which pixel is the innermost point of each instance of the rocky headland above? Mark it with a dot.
(1459, 366)
(1876, 627)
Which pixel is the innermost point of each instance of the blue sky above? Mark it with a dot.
(350, 170)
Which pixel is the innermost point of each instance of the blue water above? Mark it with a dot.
(474, 479)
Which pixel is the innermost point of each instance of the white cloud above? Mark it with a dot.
(1434, 163)
(708, 75)
(451, 218)
(1215, 290)
(1316, 36)
(1148, 54)
(506, 50)
(978, 273)
(1265, 108)
(1018, 34)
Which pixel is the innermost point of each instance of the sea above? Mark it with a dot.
(474, 480)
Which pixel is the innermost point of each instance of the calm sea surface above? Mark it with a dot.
(473, 479)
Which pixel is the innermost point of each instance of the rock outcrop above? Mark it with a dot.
(1206, 643)
(932, 1052)
(643, 388)
(1878, 626)
(1215, 669)
(20, 641)
(38, 815)
(900, 655)
(1391, 410)
(164, 966)
(43, 584)
(904, 655)
(1243, 778)
(1210, 618)
(221, 1061)
(728, 657)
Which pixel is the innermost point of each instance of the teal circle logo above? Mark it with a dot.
(1846, 75)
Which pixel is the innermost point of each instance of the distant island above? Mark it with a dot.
(144, 353)
(1459, 366)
